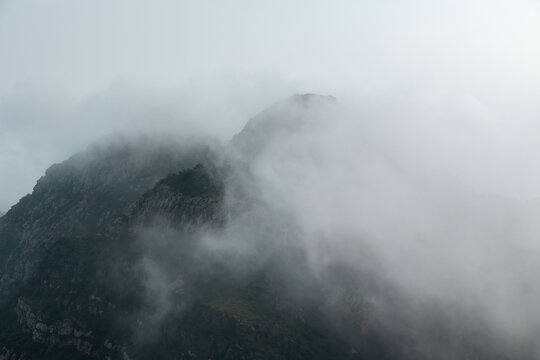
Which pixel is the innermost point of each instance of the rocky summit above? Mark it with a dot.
(142, 248)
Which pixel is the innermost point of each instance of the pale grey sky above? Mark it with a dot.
(81, 46)
(71, 71)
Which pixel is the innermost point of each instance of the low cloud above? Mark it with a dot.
(425, 251)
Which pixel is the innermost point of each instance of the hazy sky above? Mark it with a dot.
(82, 46)
(71, 71)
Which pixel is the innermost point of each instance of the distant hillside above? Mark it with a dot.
(83, 195)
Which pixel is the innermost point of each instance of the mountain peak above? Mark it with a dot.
(309, 97)
(289, 115)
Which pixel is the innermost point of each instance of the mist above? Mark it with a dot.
(419, 174)
(427, 233)
(312, 198)
(39, 127)
(460, 72)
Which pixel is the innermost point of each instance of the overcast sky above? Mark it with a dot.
(72, 71)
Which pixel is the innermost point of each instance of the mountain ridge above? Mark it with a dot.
(146, 249)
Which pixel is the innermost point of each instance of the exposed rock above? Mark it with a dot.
(82, 195)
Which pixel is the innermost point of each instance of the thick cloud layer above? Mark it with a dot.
(461, 72)
(444, 258)
(353, 201)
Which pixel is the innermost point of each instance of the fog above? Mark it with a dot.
(428, 253)
(423, 171)
(430, 234)
(359, 202)
(39, 128)
(462, 72)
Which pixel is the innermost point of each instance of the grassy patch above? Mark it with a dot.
(239, 308)
(194, 182)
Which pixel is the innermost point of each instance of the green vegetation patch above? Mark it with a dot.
(196, 182)
(239, 308)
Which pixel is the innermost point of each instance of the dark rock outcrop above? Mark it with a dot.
(83, 195)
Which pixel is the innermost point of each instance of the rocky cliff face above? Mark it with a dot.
(193, 196)
(75, 302)
(82, 195)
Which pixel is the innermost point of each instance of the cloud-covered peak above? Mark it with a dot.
(308, 99)
(293, 114)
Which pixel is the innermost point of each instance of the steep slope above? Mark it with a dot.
(80, 300)
(88, 297)
(84, 194)
(191, 196)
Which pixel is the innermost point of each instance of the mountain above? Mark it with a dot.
(82, 256)
(166, 248)
(83, 195)
(288, 115)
